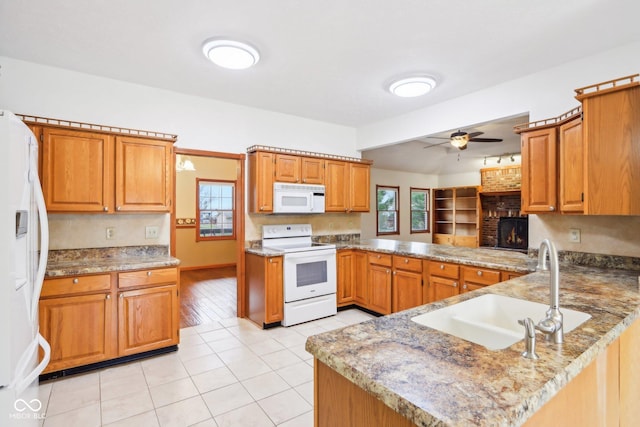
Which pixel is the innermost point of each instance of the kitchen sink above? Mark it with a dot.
(492, 320)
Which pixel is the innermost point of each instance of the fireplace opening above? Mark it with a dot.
(513, 233)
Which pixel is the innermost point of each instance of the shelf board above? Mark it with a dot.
(500, 193)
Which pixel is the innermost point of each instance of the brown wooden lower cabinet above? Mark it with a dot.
(345, 282)
(86, 320)
(264, 285)
(360, 283)
(379, 281)
(473, 278)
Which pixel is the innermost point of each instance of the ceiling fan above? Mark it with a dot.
(460, 139)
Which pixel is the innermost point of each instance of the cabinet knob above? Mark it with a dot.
(394, 273)
(388, 271)
(261, 208)
(479, 272)
(304, 181)
(346, 210)
(117, 208)
(75, 281)
(406, 260)
(378, 256)
(108, 296)
(552, 208)
(121, 296)
(455, 284)
(464, 286)
(148, 274)
(270, 259)
(441, 266)
(106, 209)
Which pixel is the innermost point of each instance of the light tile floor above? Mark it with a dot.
(226, 373)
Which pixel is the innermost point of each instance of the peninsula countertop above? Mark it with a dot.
(478, 257)
(71, 262)
(433, 378)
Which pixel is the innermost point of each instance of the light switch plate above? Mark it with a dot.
(574, 235)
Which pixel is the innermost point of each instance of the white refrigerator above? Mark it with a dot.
(25, 242)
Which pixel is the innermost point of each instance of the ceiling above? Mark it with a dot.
(329, 60)
(434, 154)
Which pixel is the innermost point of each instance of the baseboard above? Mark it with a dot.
(206, 267)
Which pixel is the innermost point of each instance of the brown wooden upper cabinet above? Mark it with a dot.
(346, 182)
(347, 186)
(86, 171)
(586, 160)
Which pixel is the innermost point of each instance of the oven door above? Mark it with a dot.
(309, 274)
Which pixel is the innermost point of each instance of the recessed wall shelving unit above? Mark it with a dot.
(456, 216)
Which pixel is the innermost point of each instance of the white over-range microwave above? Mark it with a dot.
(298, 198)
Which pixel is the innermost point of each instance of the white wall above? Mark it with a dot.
(544, 94)
(200, 123)
(405, 181)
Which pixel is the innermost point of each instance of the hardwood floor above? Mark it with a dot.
(207, 295)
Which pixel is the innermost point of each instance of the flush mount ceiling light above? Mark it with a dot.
(412, 86)
(230, 54)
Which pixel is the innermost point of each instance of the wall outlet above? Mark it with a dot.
(110, 233)
(574, 235)
(151, 232)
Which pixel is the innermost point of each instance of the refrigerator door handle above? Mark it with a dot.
(44, 243)
(23, 381)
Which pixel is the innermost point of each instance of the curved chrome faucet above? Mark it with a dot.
(551, 325)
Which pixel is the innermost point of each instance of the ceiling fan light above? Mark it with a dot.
(230, 54)
(412, 86)
(460, 140)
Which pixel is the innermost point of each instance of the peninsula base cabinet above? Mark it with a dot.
(605, 393)
(93, 318)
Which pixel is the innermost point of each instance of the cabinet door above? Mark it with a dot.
(539, 170)
(359, 191)
(287, 168)
(345, 277)
(407, 290)
(147, 319)
(144, 175)
(571, 163)
(80, 330)
(337, 186)
(77, 171)
(274, 298)
(312, 170)
(441, 288)
(261, 175)
(360, 279)
(379, 279)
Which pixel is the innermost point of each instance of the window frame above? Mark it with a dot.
(234, 211)
(396, 210)
(427, 210)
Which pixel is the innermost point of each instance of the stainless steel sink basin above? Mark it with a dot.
(492, 320)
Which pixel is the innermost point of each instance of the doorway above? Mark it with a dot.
(191, 222)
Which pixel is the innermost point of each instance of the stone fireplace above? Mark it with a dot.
(513, 233)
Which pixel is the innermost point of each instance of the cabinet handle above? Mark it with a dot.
(441, 266)
(108, 296)
(106, 209)
(75, 281)
(148, 274)
(479, 272)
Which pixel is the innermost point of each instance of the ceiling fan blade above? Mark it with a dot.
(435, 145)
(474, 134)
(486, 140)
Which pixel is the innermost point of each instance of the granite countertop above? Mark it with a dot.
(71, 262)
(433, 378)
(478, 257)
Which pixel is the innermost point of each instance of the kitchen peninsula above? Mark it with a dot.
(393, 371)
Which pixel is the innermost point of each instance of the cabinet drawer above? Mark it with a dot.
(147, 277)
(407, 263)
(380, 259)
(480, 275)
(444, 269)
(76, 285)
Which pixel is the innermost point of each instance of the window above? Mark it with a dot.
(215, 210)
(387, 210)
(419, 210)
